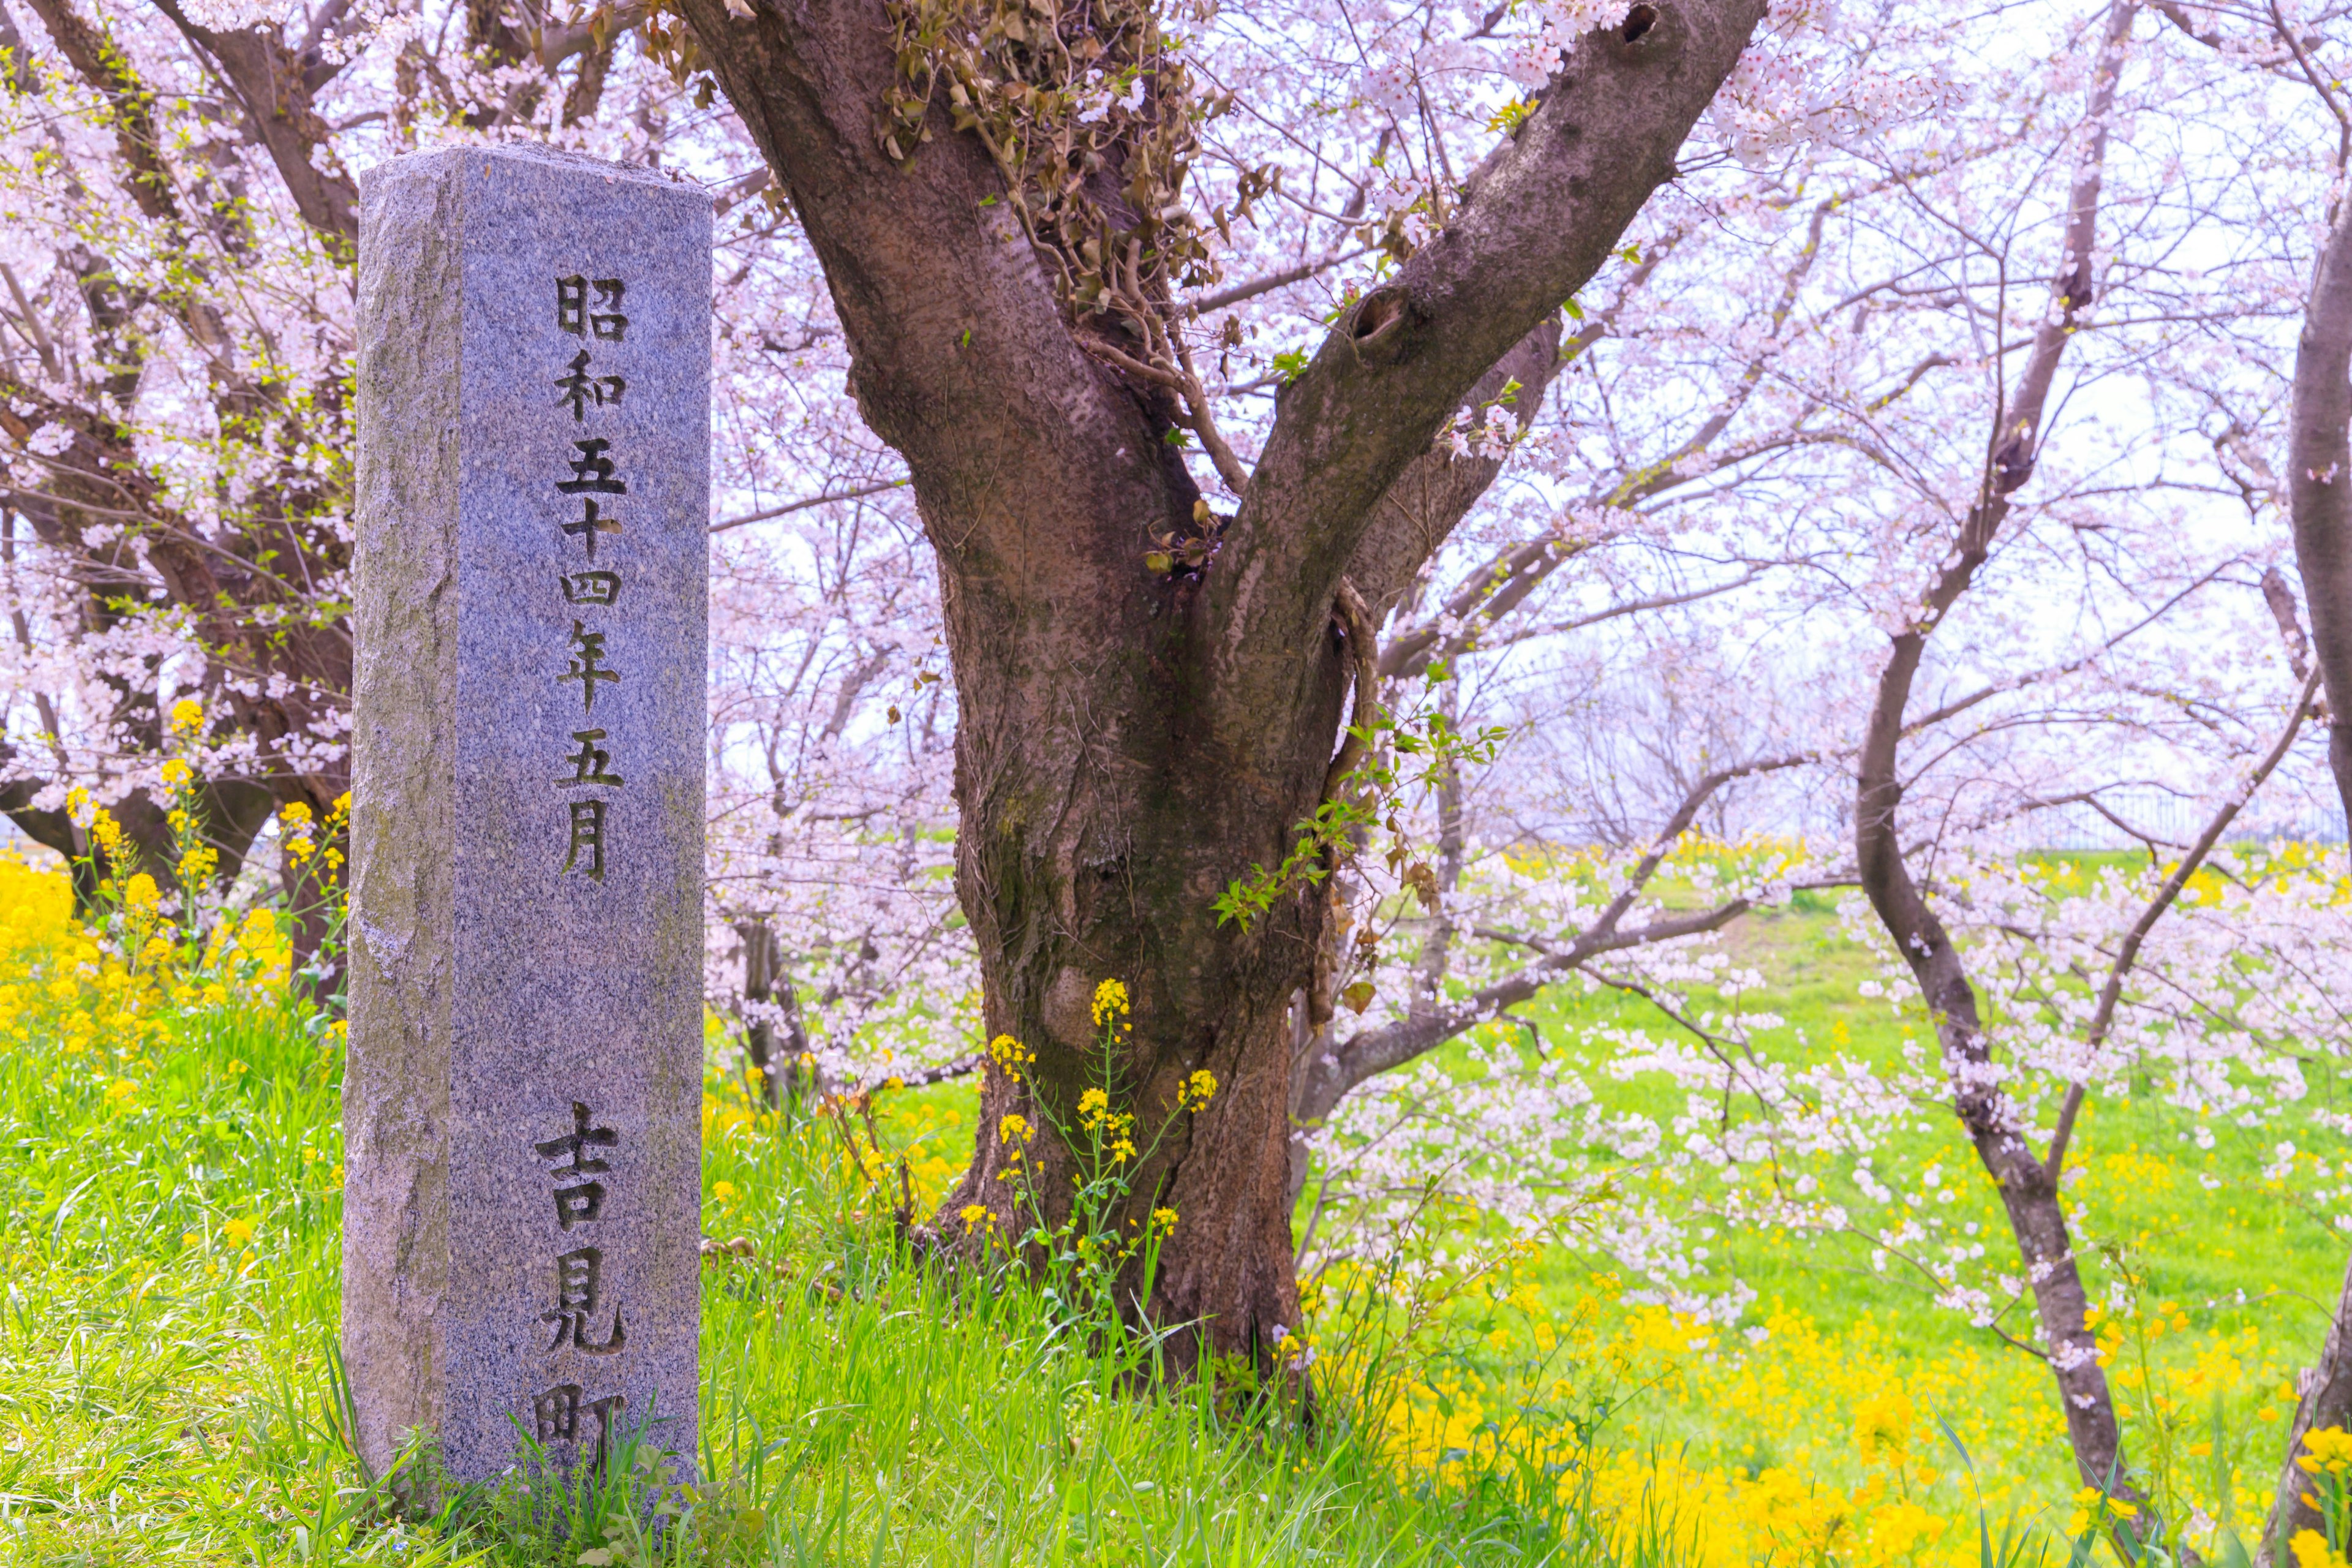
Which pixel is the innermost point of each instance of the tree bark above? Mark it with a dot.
(1130, 742)
(2028, 1186)
(2319, 498)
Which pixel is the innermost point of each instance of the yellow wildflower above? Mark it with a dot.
(1010, 1055)
(2090, 1498)
(2326, 1452)
(1163, 1220)
(722, 1191)
(974, 1216)
(108, 832)
(1013, 1128)
(1110, 1003)
(122, 1088)
(1901, 1529)
(1198, 1091)
(238, 1231)
(187, 716)
(1882, 1427)
(2310, 1549)
(141, 896)
(1094, 1105)
(175, 774)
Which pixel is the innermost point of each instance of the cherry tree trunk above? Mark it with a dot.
(2320, 455)
(1099, 828)
(1140, 726)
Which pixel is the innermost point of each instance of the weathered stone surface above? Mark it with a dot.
(522, 1117)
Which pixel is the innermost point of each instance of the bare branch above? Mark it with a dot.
(791, 507)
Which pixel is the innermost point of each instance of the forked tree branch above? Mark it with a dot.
(2036, 1217)
(1399, 363)
(1370, 1052)
(268, 78)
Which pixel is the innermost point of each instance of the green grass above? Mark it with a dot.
(165, 1371)
(2252, 1269)
(170, 1262)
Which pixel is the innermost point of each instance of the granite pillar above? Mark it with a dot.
(522, 1104)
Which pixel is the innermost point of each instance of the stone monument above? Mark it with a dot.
(522, 1104)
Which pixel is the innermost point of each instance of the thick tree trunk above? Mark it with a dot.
(1092, 850)
(2320, 490)
(1131, 740)
(2326, 1389)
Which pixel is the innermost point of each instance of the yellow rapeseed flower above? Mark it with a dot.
(722, 1191)
(1900, 1529)
(175, 774)
(974, 1216)
(187, 716)
(238, 1231)
(141, 896)
(1198, 1091)
(1010, 1055)
(1013, 1128)
(1881, 1425)
(2310, 1549)
(2326, 1452)
(1163, 1220)
(1110, 1003)
(2090, 1498)
(108, 834)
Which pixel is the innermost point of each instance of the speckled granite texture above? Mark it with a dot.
(522, 1109)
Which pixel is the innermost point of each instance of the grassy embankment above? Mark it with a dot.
(1819, 1425)
(171, 1156)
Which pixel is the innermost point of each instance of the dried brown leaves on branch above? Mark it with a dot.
(1093, 118)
